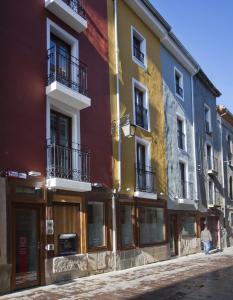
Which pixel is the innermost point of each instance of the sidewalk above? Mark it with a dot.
(190, 277)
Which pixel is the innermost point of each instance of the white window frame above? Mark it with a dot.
(147, 145)
(176, 70)
(230, 187)
(185, 162)
(142, 88)
(210, 121)
(213, 191)
(143, 50)
(53, 104)
(184, 128)
(208, 144)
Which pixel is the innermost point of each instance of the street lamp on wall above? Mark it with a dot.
(128, 128)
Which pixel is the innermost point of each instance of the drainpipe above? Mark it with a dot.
(223, 184)
(114, 196)
(194, 143)
(222, 158)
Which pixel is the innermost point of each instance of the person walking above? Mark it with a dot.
(206, 239)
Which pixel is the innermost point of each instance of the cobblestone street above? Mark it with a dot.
(192, 277)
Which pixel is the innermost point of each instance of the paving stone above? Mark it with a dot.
(194, 277)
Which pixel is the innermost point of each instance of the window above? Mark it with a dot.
(207, 119)
(96, 225)
(188, 226)
(179, 84)
(231, 187)
(232, 219)
(151, 225)
(209, 157)
(141, 106)
(229, 149)
(210, 192)
(180, 134)
(138, 48)
(60, 146)
(145, 176)
(126, 226)
(60, 57)
(182, 192)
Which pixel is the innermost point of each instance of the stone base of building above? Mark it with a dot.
(66, 268)
(5, 279)
(75, 266)
(141, 256)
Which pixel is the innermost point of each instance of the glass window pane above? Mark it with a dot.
(151, 225)
(26, 246)
(126, 225)
(188, 226)
(96, 225)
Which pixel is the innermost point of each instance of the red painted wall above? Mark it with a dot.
(96, 120)
(23, 81)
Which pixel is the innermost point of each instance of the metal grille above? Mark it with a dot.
(68, 162)
(145, 179)
(67, 70)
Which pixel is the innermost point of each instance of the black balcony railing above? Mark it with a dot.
(145, 179)
(181, 139)
(185, 190)
(68, 162)
(67, 70)
(141, 116)
(77, 6)
(138, 54)
(179, 90)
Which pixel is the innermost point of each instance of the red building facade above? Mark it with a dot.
(56, 142)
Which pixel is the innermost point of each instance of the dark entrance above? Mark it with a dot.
(26, 246)
(173, 231)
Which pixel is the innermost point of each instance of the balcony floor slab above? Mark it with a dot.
(68, 96)
(66, 14)
(68, 185)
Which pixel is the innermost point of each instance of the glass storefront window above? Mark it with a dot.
(189, 226)
(126, 226)
(96, 224)
(151, 225)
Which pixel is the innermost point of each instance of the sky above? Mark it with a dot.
(205, 27)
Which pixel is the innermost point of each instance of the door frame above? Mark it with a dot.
(40, 241)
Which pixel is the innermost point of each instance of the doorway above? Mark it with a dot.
(26, 247)
(173, 236)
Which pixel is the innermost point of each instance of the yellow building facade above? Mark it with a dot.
(139, 162)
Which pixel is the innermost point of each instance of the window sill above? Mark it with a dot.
(121, 248)
(140, 127)
(98, 249)
(153, 244)
(139, 63)
(209, 133)
(184, 151)
(178, 96)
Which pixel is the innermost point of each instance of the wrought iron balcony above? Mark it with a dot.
(185, 190)
(141, 117)
(77, 6)
(179, 90)
(181, 139)
(145, 179)
(138, 54)
(68, 161)
(67, 70)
